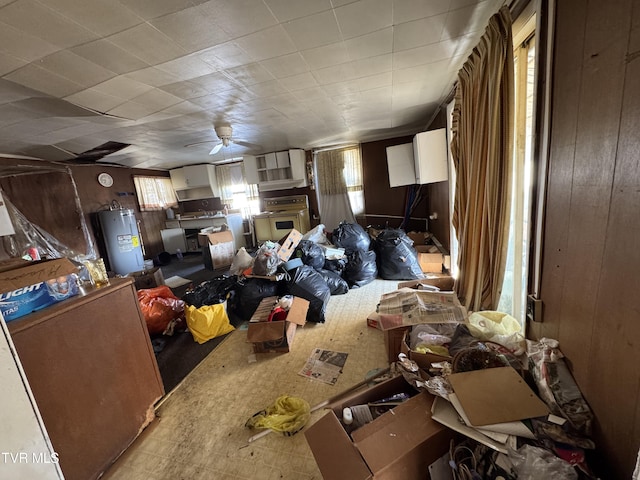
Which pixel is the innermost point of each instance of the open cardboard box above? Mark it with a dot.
(218, 249)
(423, 360)
(430, 258)
(289, 244)
(398, 445)
(29, 286)
(275, 336)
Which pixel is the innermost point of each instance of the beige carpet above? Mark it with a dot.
(200, 432)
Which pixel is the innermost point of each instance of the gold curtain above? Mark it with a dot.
(481, 148)
(330, 172)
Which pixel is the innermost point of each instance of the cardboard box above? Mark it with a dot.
(419, 238)
(398, 445)
(30, 286)
(218, 249)
(393, 339)
(423, 360)
(147, 278)
(289, 244)
(441, 281)
(430, 261)
(275, 336)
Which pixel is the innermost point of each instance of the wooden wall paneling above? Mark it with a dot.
(438, 202)
(48, 200)
(569, 40)
(616, 347)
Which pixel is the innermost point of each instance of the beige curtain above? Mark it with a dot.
(333, 190)
(235, 192)
(481, 148)
(330, 172)
(154, 193)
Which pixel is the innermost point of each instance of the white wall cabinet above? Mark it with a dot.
(194, 182)
(401, 165)
(277, 170)
(430, 156)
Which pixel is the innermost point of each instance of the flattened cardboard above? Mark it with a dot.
(289, 244)
(275, 336)
(496, 395)
(440, 281)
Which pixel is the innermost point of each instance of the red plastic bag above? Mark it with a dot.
(162, 310)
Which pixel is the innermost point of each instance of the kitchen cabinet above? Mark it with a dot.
(183, 233)
(193, 182)
(401, 165)
(173, 239)
(93, 374)
(277, 170)
(430, 156)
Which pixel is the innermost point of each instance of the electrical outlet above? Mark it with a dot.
(534, 309)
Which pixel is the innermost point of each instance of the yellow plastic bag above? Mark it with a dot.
(208, 321)
(287, 415)
(498, 327)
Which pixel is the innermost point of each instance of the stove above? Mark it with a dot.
(280, 215)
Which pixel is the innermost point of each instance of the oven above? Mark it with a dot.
(280, 215)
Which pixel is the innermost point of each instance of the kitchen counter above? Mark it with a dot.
(182, 233)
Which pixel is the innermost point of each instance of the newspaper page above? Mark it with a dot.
(422, 306)
(324, 366)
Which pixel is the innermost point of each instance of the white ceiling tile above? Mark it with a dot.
(312, 94)
(338, 89)
(75, 68)
(286, 65)
(225, 55)
(286, 10)
(132, 110)
(364, 16)
(153, 76)
(95, 100)
(182, 108)
(23, 45)
(122, 87)
(421, 55)
(467, 20)
(326, 56)
(216, 82)
(109, 56)
(313, 31)
(185, 89)
(157, 99)
(249, 74)
(185, 68)
(373, 65)
(9, 63)
(336, 73)
(239, 17)
(268, 43)
(267, 89)
(418, 33)
(148, 44)
(14, 92)
(44, 81)
(103, 17)
(10, 114)
(42, 22)
(299, 82)
(149, 9)
(370, 45)
(408, 10)
(191, 29)
(374, 81)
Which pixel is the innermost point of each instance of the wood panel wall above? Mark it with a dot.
(591, 255)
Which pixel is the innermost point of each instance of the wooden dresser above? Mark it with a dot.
(93, 373)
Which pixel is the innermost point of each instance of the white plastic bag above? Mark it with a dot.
(241, 262)
(499, 328)
(316, 235)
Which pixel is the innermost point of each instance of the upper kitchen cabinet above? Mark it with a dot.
(430, 156)
(277, 170)
(195, 181)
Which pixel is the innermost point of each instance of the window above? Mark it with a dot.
(514, 289)
(235, 192)
(353, 179)
(154, 193)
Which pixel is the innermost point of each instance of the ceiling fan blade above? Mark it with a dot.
(199, 143)
(215, 149)
(247, 144)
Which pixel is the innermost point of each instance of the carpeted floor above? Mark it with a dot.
(200, 432)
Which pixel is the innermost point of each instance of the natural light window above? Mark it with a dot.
(154, 193)
(235, 192)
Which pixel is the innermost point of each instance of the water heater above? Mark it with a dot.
(122, 240)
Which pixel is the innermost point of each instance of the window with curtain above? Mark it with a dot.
(513, 297)
(154, 193)
(338, 175)
(235, 192)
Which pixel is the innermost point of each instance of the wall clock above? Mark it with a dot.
(105, 179)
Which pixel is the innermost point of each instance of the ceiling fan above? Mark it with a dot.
(225, 135)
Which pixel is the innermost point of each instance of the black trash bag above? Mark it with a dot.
(310, 253)
(361, 268)
(211, 292)
(335, 265)
(462, 339)
(337, 284)
(351, 237)
(397, 259)
(307, 283)
(249, 292)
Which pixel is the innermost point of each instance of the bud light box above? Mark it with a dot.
(30, 286)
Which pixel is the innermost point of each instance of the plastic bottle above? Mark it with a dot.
(179, 254)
